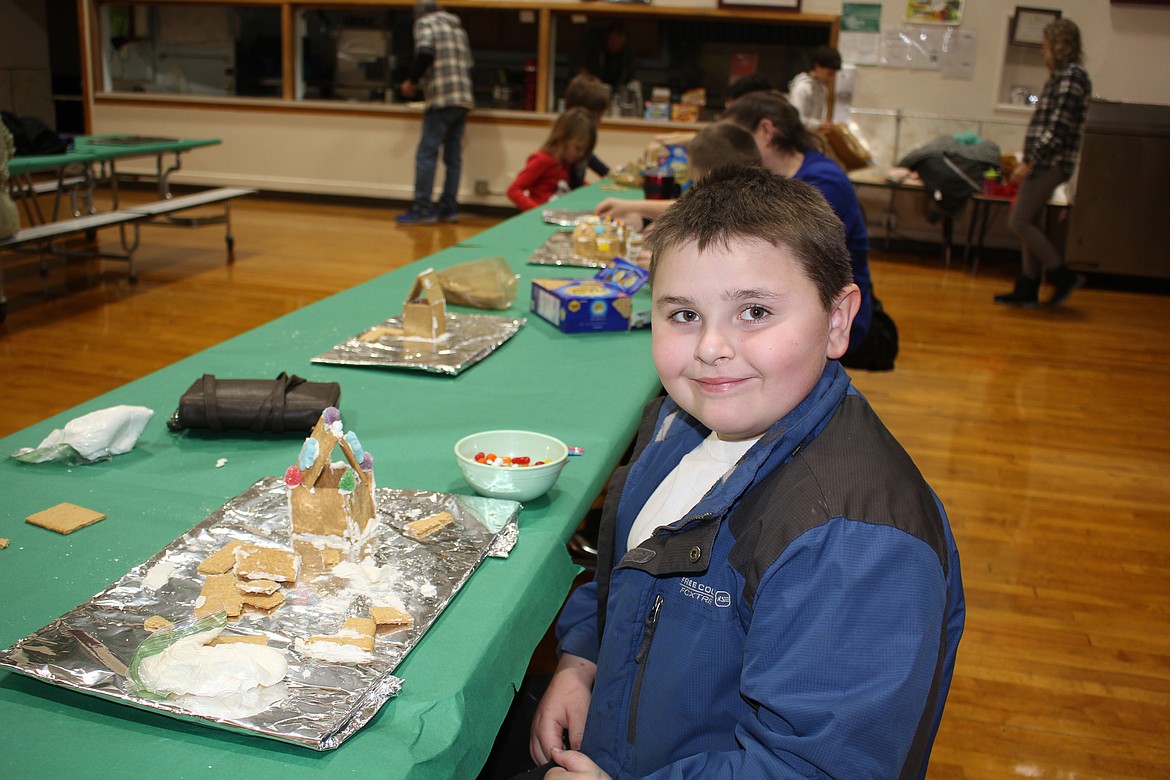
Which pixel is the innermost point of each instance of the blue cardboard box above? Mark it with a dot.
(604, 302)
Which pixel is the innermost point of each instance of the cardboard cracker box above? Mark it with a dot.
(604, 302)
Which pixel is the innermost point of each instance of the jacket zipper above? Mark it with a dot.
(640, 660)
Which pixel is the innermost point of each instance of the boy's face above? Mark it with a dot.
(823, 74)
(740, 336)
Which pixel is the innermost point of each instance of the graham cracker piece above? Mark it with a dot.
(64, 518)
(362, 625)
(380, 332)
(350, 638)
(257, 587)
(3, 543)
(424, 527)
(316, 559)
(262, 600)
(222, 560)
(235, 639)
(219, 592)
(325, 441)
(267, 563)
(392, 616)
(356, 631)
(156, 623)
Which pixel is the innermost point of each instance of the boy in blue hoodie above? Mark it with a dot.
(778, 590)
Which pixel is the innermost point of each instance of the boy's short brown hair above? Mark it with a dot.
(588, 92)
(721, 143)
(738, 202)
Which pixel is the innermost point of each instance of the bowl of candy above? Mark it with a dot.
(517, 465)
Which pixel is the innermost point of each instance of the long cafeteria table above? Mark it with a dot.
(586, 389)
(90, 152)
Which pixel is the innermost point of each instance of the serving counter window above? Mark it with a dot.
(681, 55)
(360, 51)
(217, 50)
(364, 54)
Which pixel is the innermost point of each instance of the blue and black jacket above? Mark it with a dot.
(801, 621)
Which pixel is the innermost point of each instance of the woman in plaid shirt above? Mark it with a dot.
(1050, 150)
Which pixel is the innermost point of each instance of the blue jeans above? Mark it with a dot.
(440, 127)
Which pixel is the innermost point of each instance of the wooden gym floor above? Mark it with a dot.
(1043, 432)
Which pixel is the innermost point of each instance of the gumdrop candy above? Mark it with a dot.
(348, 481)
(355, 445)
(331, 415)
(309, 452)
(293, 476)
(367, 463)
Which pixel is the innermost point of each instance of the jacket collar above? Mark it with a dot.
(776, 447)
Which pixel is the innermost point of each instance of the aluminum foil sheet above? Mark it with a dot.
(566, 218)
(469, 339)
(319, 703)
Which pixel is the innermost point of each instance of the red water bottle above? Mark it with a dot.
(530, 85)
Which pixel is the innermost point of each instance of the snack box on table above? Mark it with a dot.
(604, 302)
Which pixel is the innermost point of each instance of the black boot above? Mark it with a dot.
(1026, 294)
(1064, 281)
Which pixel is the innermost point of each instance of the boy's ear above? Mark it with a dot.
(841, 316)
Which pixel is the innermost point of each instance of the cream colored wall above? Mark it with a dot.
(336, 153)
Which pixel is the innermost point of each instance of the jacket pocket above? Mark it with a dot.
(640, 659)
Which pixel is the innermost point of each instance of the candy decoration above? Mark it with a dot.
(367, 463)
(355, 445)
(330, 415)
(309, 452)
(293, 476)
(348, 481)
(503, 461)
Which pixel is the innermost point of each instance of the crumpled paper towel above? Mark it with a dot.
(100, 434)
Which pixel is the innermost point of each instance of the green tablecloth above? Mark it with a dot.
(96, 148)
(586, 389)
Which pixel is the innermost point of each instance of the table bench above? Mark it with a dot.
(978, 216)
(39, 239)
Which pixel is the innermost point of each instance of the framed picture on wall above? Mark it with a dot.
(934, 11)
(783, 5)
(1028, 25)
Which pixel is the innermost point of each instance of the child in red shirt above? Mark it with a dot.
(569, 142)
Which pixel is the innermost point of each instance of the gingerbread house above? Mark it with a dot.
(327, 497)
(424, 314)
(600, 239)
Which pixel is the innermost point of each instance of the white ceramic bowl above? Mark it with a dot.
(517, 483)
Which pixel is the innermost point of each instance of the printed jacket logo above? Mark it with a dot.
(705, 593)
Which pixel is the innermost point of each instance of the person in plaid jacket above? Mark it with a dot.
(442, 68)
(1051, 145)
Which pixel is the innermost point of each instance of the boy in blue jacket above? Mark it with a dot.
(778, 590)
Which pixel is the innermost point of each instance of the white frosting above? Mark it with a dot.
(266, 588)
(159, 575)
(334, 651)
(190, 666)
(434, 324)
(321, 541)
(378, 583)
(365, 573)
